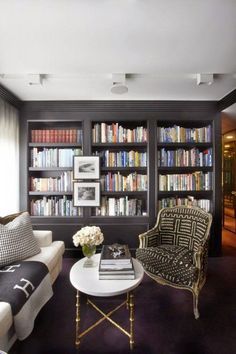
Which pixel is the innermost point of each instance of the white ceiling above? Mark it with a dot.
(78, 44)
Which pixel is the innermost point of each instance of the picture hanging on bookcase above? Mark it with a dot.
(86, 194)
(86, 167)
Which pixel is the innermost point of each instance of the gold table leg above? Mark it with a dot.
(129, 303)
(77, 320)
(131, 318)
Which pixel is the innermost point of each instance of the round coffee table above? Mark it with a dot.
(86, 280)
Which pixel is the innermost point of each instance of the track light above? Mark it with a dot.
(205, 79)
(118, 84)
(35, 79)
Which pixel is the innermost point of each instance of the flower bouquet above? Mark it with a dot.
(88, 238)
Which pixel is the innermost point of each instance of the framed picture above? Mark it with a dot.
(86, 167)
(86, 194)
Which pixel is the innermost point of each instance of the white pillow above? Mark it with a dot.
(17, 240)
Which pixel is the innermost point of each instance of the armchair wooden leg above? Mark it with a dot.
(195, 305)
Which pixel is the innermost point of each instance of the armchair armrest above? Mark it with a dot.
(43, 237)
(198, 256)
(148, 238)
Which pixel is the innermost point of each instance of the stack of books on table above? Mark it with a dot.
(116, 262)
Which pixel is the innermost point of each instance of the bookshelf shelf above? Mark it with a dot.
(50, 193)
(123, 193)
(124, 169)
(60, 145)
(183, 169)
(178, 193)
(119, 145)
(35, 169)
(189, 145)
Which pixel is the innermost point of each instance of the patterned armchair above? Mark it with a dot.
(174, 252)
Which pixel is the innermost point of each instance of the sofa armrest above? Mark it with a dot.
(43, 237)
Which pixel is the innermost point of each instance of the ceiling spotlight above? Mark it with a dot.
(205, 79)
(35, 79)
(118, 84)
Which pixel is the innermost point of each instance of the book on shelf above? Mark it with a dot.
(115, 254)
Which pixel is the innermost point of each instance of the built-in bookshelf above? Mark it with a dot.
(122, 147)
(151, 156)
(51, 149)
(185, 164)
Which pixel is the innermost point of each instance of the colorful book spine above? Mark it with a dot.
(115, 133)
(204, 204)
(196, 181)
(123, 206)
(57, 136)
(54, 206)
(178, 134)
(122, 158)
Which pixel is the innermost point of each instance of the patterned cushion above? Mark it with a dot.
(170, 262)
(17, 240)
(183, 226)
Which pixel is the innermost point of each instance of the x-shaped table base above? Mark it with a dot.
(129, 302)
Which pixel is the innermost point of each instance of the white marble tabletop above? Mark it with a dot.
(85, 279)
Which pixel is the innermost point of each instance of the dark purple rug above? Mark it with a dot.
(164, 321)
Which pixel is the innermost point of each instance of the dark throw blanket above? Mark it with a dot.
(26, 286)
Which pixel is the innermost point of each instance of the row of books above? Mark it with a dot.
(53, 157)
(54, 206)
(123, 206)
(122, 158)
(56, 136)
(116, 182)
(116, 263)
(186, 182)
(181, 157)
(63, 183)
(204, 204)
(115, 133)
(177, 134)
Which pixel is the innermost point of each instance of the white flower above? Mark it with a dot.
(88, 235)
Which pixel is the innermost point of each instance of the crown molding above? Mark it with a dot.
(227, 101)
(9, 97)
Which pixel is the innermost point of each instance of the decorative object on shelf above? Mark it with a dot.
(86, 167)
(88, 238)
(86, 194)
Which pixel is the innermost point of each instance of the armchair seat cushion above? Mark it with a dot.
(169, 262)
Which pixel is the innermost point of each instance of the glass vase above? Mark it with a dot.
(88, 252)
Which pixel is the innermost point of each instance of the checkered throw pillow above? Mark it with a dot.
(17, 240)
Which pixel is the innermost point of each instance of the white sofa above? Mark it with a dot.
(51, 254)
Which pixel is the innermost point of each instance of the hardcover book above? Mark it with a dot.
(115, 254)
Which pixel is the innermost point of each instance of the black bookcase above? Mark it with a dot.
(129, 115)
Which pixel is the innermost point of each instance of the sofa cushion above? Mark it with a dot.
(17, 241)
(50, 255)
(170, 262)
